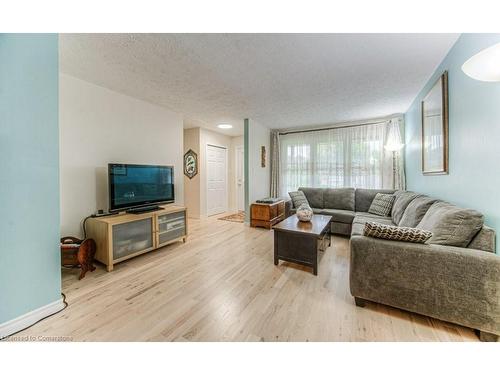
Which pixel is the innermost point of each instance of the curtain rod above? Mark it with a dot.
(332, 127)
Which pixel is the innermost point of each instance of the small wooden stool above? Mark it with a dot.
(76, 252)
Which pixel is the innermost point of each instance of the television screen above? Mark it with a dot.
(132, 185)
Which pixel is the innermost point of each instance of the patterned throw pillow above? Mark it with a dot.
(389, 232)
(298, 198)
(382, 204)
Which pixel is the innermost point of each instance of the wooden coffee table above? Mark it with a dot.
(299, 242)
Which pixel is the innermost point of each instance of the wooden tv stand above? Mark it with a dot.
(124, 236)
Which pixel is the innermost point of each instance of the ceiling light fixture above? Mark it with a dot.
(224, 126)
(485, 65)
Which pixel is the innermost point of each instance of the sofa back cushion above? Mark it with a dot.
(484, 240)
(314, 196)
(403, 199)
(451, 225)
(340, 199)
(416, 210)
(364, 198)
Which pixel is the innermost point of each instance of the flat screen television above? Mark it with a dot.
(132, 186)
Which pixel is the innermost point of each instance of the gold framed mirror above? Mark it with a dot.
(435, 128)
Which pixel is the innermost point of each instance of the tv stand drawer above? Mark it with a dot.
(170, 235)
(168, 217)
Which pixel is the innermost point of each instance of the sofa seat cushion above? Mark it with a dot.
(364, 198)
(416, 210)
(403, 199)
(317, 211)
(343, 229)
(314, 196)
(451, 225)
(357, 229)
(361, 218)
(341, 216)
(340, 199)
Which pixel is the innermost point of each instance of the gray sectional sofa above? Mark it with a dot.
(345, 205)
(454, 277)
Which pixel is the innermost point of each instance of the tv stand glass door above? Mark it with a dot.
(132, 237)
(170, 226)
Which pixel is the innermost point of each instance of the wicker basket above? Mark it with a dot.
(77, 252)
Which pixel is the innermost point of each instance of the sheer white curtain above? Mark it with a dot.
(339, 157)
(395, 137)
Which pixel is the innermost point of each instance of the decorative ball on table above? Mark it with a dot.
(304, 212)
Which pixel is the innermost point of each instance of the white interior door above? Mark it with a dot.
(240, 178)
(216, 180)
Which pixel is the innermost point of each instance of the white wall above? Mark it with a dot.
(233, 198)
(259, 178)
(197, 139)
(99, 126)
(192, 185)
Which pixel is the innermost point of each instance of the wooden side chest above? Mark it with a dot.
(266, 215)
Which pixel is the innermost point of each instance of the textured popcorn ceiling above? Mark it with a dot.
(280, 80)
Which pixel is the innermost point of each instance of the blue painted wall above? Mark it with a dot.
(30, 275)
(474, 138)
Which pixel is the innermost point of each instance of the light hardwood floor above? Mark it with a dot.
(222, 285)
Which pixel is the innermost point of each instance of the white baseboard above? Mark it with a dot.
(23, 321)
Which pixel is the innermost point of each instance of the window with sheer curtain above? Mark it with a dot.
(339, 157)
